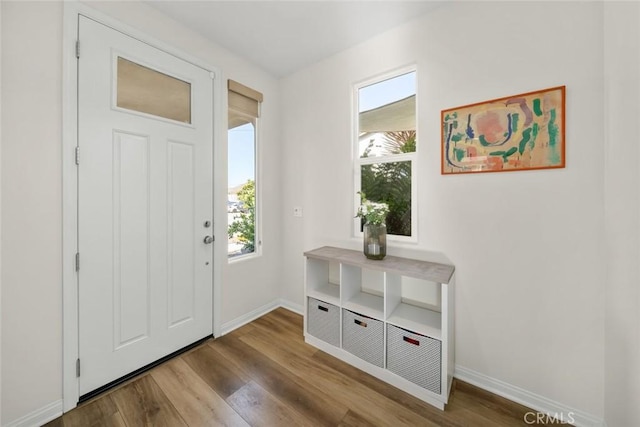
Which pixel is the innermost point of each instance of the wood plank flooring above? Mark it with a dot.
(264, 374)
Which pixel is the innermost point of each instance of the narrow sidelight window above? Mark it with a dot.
(243, 197)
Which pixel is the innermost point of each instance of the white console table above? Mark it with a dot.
(387, 332)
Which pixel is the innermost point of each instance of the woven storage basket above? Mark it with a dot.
(363, 337)
(414, 357)
(323, 321)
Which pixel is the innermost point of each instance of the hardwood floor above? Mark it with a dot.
(264, 374)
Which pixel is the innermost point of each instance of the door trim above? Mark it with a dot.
(70, 319)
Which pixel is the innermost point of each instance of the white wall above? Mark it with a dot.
(0, 211)
(528, 246)
(31, 207)
(622, 213)
(32, 182)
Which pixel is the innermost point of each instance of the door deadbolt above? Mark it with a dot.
(207, 224)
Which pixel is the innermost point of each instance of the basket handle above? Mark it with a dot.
(411, 340)
(360, 323)
(323, 308)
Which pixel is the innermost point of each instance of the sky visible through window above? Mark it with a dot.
(241, 155)
(377, 95)
(387, 91)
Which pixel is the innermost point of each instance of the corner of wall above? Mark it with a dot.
(1, 4)
(240, 321)
(622, 213)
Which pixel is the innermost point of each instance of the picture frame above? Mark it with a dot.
(512, 133)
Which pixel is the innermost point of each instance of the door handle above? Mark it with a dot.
(208, 240)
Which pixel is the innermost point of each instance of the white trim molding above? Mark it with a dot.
(259, 312)
(249, 317)
(70, 385)
(531, 400)
(0, 219)
(39, 416)
(292, 306)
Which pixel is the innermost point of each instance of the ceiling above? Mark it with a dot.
(285, 36)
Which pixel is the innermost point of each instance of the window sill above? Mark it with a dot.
(391, 240)
(241, 258)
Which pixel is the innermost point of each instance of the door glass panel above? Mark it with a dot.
(148, 91)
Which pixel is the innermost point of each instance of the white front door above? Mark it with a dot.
(144, 204)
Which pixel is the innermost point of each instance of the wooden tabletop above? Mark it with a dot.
(425, 270)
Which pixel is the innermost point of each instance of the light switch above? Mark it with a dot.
(297, 211)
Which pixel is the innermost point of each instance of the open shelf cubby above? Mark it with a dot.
(359, 291)
(319, 285)
(411, 300)
(414, 304)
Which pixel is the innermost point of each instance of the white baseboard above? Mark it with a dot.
(260, 311)
(249, 317)
(39, 416)
(292, 306)
(534, 401)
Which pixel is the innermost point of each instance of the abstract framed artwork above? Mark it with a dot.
(519, 132)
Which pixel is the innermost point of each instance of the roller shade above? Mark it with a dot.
(243, 99)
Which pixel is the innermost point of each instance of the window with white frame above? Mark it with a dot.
(242, 197)
(385, 149)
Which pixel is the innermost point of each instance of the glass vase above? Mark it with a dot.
(375, 240)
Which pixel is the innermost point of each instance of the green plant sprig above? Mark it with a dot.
(372, 212)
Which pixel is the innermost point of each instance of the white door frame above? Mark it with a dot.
(70, 342)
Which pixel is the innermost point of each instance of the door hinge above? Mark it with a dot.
(78, 368)
(77, 261)
(77, 155)
(77, 48)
